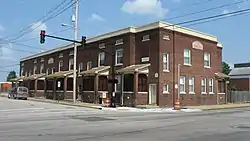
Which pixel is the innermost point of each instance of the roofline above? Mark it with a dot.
(132, 29)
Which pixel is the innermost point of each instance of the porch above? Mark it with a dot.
(35, 84)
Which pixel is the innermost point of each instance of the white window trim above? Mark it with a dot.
(59, 66)
(118, 77)
(209, 59)
(52, 70)
(47, 71)
(193, 80)
(71, 53)
(119, 42)
(102, 45)
(99, 58)
(205, 83)
(42, 60)
(41, 68)
(34, 69)
(165, 91)
(183, 92)
(60, 55)
(211, 85)
(167, 60)
(88, 65)
(117, 64)
(50, 61)
(189, 53)
(145, 38)
(70, 63)
(80, 65)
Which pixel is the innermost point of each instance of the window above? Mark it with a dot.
(118, 85)
(145, 38)
(53, 70)
(21, 71)
(26, 73)
(211, 86)
(101, 59)
(71, 53)
(42, 60)
(71, 64)
(102, 45)
(203, 85)
(29, 73)
(165, 62)
(119, 42)
(41, 68)
(165, 89)
(60, 55)
(187, 57)
(60, 65)
(142, 83)
(34, 69)
(89, 65)
(207, 60)
(50, 61)
(35, 61)
(191, 85)
(47, 71)
(119, 57)
(80, 67)
(166, 37)
(182, 84)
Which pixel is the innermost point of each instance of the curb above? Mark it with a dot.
(225, 108)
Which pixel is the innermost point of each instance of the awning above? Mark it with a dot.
(60, 74)
(221, 75)
(102, 70)
(140, 68)
(34, 77)
(17, 79)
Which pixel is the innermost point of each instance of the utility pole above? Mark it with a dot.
(75, 50)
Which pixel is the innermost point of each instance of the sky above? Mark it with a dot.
(101, 16)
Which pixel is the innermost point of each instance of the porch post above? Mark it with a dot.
(54, 88)
(65, 83)
(225, 91)
(122, 88)
(135, 86)
(96, 85)
(45, 87)
(35, 87)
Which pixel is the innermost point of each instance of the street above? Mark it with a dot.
(22, 120)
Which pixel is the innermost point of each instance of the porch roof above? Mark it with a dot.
(59, 74)
(17, 79)
(221, 75)
(34, 77)
(140, 68)
(103, 70)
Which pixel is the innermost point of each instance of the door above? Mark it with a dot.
(152, 93)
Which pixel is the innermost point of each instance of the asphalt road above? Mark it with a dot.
(35, 121)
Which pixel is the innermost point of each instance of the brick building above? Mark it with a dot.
(147, 59)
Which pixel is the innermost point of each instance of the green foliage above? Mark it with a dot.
(226, 68)
(11, 75)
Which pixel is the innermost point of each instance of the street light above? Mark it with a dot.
(67, 25)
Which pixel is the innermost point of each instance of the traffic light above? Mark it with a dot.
(83, 41)
(42, 36)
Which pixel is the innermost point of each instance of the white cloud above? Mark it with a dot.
(145, 7)
(96, 17)
(37, 27)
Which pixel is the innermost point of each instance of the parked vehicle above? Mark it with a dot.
(18, 93)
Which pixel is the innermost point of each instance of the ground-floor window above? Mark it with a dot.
(103, 83)
(142, 83)
(70, 84)
(88, 84)
(40, 84)
(128, 82)
(221, 86)
(50, 85)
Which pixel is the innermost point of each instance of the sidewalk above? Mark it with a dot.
(218, 107)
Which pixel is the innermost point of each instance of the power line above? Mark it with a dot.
(191, 4)
(206, 10)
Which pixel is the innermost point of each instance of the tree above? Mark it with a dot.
(11, 75)
(226, 68)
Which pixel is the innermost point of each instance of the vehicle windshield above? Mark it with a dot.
(22, 89)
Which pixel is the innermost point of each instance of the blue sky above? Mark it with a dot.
(99, 16)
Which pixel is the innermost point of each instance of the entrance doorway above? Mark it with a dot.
(152, 94)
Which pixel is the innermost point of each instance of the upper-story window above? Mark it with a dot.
(41, 68)
(60, 65)
(145, 38)
(101, 59)
(80, 67)
(71, 53)
(34, 70)
(53, 70)
(207, 60)
(119, 56)
(42, 60)
(89, 65)
(50, 61)
(166, 37)
(165, 62)
(22, 64)
(187, 57)
(71, 64)
(35, 61)
(102, 45)
(30, 73)
(119, 42)
(47, 71)
(21, 71)
(60, 55)
(26, 73)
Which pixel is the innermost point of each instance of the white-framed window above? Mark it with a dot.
(60, 65)
(71, 64)
(166, 37)
(118, 85)
(211, 86)
(71, 53)
(119, 42)
(47, 71)
(22, 64)
(187, 57)
(191, 85)
(182, 84)
(26, 73)
(80, 67)
(34, 69)
(119, 56)
(35, 61)
(165, 89)
(165, 62)
(53, 70)
(207, 60)
(102, 45)
(60, 55)
(50, 61)
(145, 38)
(22, 72)
(29, 73)
(101, 59)
(41, 68)
(42, 60)
(203, 85)
(89, 65)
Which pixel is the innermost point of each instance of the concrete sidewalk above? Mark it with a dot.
(218, 107)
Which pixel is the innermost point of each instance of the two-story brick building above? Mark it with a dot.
(147, 60)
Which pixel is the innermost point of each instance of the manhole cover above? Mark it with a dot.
(242, 126)
(91, 118)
